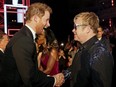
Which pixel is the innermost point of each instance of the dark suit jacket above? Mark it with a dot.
(92, 65)
(20, 66)
(106, 42)
(1, 79)
(1, 57)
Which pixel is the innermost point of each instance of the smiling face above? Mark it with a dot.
(42, 22)
(38, 16)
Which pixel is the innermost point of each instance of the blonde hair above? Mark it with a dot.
(37, 9)
(89, 18)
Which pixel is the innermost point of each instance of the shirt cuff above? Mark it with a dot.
(54, 81)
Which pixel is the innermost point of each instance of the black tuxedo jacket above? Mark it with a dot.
(2, 82)
(1, 57)
(20, 64)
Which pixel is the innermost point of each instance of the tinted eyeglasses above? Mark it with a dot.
(78, 25)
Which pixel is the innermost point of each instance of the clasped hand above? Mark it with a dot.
(59, 78)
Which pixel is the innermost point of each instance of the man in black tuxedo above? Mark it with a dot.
(3, 42)
(20, 66)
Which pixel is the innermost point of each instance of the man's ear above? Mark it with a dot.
(36, 18)
(88, 29)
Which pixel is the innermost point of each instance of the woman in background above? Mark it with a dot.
(48, 55)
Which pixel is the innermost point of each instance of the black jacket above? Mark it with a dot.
(92, 65)
(20, 65)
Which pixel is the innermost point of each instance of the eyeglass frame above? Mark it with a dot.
(78, 25)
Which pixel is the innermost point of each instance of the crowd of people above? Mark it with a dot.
(34, 58)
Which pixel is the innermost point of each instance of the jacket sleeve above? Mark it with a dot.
(24, 52)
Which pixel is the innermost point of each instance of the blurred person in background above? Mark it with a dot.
(101, 37)
(74, 48)
(62, 59)
(70, 59)
(48, 54)
(4, 39)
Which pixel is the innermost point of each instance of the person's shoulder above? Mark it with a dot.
(99, 52)
(52, 49)
(54, 52)
(99, 47)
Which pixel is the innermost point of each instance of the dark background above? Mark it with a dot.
(64, 11)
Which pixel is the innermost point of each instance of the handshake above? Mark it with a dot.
(61, 77)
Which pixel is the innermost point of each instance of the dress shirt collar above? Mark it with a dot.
(33, 32)
(100, 38)
(2, 50)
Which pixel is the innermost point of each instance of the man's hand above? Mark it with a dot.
(59, 79)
